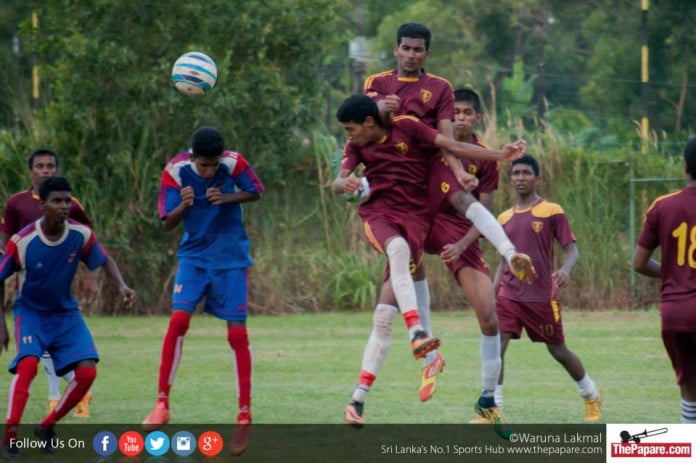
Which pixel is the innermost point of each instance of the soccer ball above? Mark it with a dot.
(194, 73)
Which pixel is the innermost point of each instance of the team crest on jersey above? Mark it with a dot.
(473, 169)
(401, 148)
(537, 226)
(71, 257)
(426, 95)
(444, 187)
(178, 289)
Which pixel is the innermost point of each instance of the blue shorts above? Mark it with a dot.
(64, 335)
(225, 291)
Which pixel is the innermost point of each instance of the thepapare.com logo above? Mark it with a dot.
(640, 443)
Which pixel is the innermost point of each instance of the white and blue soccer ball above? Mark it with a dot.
(362, 194)
(194, 73)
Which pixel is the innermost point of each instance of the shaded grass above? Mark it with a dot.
(306, 367)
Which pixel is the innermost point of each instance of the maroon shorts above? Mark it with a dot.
(681, 348)
(472, 257)
(541, 320)
(379, 228)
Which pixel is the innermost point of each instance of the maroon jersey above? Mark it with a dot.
(670, 223)
(486, 171)
(23, 208)
(533, 232)
(430, 98)
(448, 226)
(443, 184)
(396, 167)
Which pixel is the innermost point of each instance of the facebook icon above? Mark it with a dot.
(105, 443)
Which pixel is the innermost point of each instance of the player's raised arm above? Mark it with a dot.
(510, 151)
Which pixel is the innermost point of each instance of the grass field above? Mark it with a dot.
(306, 367)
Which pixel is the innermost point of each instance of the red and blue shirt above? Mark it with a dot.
(214, 235)
(47, 268)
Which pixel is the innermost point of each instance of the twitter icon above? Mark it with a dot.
(157, 443)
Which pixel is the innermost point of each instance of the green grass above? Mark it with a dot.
(306, 367)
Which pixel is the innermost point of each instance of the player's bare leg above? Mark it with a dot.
(585, 386)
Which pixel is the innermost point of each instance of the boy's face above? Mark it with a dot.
(411, 55)
(360, 134)
(206, 167)
(523, 179)
(57, 205)
(43, 165)
(465, 119)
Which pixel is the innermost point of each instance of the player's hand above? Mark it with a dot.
(90, 289)
(468, 181)
(392, 103)
(515, 150)
(4, 335)
(129, 296)
(187, 195)
(352, 184)
(214, 195)
(451, 252)
(560, 278)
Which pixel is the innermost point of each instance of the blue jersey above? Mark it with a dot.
(47, 268)
(214, 235)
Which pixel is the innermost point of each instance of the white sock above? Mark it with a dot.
(360, 393)
(586, 388)
(400, 276)
(489, 227)
(499, 400)
(423, 301)
(491, 364)
(53, 380)
(688, 411)
(377, 345)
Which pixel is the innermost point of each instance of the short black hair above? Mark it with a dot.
(413, 31)
(51, 184)
(356, 108)
(690, 157)
(41, 152)
(469, 96)
(528, 160)
(207, 142)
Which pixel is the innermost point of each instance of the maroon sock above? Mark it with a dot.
(239, 341)
(74, 392)
(19, 395)
(172, 348)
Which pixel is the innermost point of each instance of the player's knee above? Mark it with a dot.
(85, 375)
(488, 321)
(179, 323)
(397, 247)
(462, 201)
(28, 366)
(558, 352)
(237, 336)
(383, 320)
